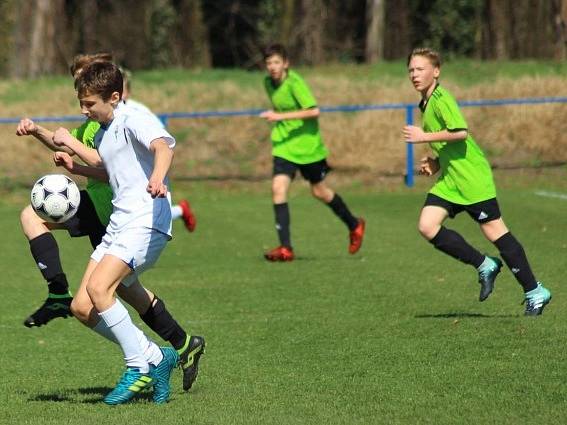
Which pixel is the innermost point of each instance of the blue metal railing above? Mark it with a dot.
(408, 107)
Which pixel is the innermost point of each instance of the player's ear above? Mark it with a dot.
(115, 98)
(436, 72)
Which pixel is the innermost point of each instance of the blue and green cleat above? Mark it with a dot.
(132, 383)
(161, 374)
(189, 359)
(487, 275)
(536, 300)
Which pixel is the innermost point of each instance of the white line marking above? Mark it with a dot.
(551, 194)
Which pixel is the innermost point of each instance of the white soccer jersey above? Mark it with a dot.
(124, 148)
(128, 106)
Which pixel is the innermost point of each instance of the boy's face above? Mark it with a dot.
(422, 74)
(277, 67)
(95, 108)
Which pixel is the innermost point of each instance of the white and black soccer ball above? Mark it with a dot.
(55, 198)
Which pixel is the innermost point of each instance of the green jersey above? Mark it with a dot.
(99, 192)
(295, 140)
(466, 176)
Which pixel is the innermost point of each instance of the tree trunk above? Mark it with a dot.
(312, 31)
(192, 38)
(560, 29)
(374, 31)
(398, 31)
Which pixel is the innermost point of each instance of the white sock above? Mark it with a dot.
(176, 212)
(152, 352)
(120, 325)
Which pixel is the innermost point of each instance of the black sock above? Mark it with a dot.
(453, 244)
(160, 321)
(45, 252)
(515, 257)
(281, 212)
(341, 210)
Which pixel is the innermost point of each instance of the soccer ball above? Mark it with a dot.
(55, 198)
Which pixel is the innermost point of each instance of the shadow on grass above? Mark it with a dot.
(460, 315)
(74, 396)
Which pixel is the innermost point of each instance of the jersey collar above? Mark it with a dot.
(424, 102)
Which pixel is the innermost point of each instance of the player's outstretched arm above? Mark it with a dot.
(63, 159)
(62, 137)
(27, 127)
(163, 156)
(414, 134)
(302, 114)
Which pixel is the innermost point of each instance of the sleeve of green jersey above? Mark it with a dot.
(302, 93)
(451, 115)
(78, 132)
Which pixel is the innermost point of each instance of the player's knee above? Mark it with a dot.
(427, 230)
(96, 289)
(80, 310)
(28, 216)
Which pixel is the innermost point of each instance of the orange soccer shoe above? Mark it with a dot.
(281, 253)
(356, 236)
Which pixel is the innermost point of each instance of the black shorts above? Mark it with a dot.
(86, 221)
(314, 172)
(481, 212)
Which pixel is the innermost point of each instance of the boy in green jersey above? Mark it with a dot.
(297, 145)
(91, 220)
(465, 184)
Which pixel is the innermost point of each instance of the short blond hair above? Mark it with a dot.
(433, 55)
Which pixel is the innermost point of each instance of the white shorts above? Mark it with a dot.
(138, 247)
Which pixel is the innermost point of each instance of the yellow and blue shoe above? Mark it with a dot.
(133, 382)
(536, 300)
(189, 357)
(161, 374)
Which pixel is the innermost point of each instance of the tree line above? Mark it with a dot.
(39, 37)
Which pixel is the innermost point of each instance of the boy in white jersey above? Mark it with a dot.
(136, 156)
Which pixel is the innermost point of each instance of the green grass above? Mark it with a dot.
(393, 335)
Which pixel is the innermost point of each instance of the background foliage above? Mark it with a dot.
(40, 36)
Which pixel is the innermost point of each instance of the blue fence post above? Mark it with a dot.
(409, 148)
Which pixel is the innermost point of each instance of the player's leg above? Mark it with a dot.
(183, 210)
(282, 175)
(514, 255)
(154, 313)
(45, 252)
(430, 226)
(322, 192)
(100, 287)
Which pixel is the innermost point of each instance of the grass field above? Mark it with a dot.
(393, 335)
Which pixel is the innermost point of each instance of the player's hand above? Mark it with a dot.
(414, 134)
(62, 137)
(26, 127)
(428, 166)
(156, 188)
(271, 116)
(63, 159)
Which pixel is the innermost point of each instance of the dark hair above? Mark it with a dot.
(433, 56)
(82, 60)
(274, 49)
(102, 78)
